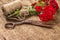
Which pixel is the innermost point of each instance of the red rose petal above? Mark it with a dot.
(38, 8)
(54, 4)
(49, 9)
(46, 17)
(33, 4)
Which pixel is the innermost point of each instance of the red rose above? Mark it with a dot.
(48, 13)
(38, 8)
(46, 17)
(33, 4)
(49, 10)
(54, 4)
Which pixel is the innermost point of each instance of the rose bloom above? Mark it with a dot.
(46, 17)
(38, 8)
(33, 4)
(48, 13)
(49, 9)
(54, 4)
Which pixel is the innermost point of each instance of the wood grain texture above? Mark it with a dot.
(29, 32)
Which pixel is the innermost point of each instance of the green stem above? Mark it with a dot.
(16, 13)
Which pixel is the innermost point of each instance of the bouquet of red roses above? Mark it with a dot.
(46, 9)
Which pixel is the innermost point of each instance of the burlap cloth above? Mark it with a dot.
(28, 32)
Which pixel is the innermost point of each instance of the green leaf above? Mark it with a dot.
(41, 3)
(32, 11)
(38, 4)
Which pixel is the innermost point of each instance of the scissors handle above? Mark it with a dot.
(9, 25)
(12, 25)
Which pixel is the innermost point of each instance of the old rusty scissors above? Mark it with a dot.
(11, 25)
